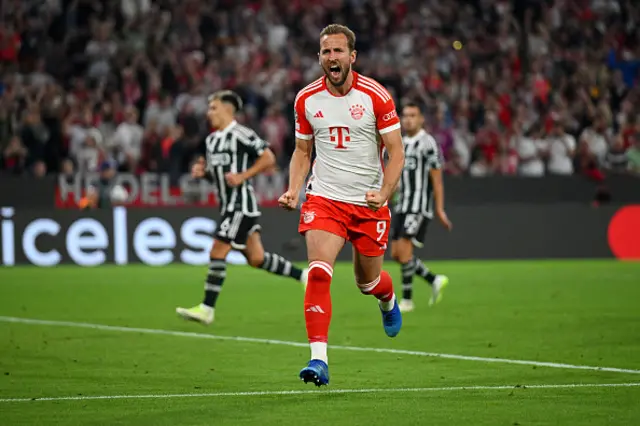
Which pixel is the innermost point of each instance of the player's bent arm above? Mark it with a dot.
(438, 188)
(300, 163)
(393, 143)
(266, 160)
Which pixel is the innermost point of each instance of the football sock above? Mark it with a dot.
(213, 283)
(317, 308)
(382, 289)
(423, 271)
(278, 265)
(408, 271)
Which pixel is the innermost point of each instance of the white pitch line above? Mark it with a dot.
(324, 392)
(306, 345)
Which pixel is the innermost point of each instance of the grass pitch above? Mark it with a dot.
(564, 320)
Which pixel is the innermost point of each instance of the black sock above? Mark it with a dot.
(278, 265)
(408, 271)
(215, 278)
(423, 271)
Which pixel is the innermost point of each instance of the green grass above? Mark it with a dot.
(573, 312)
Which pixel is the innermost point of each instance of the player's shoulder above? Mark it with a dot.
(429, 142)
(310, 89)
(373, 88)
(245, 132)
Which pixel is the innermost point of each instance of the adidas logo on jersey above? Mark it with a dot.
(318, 115)
(315, 308)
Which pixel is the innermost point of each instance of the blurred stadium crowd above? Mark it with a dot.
(510, 87)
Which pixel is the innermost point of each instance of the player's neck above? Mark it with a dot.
(342, 90)
(225, 124)
(414, 133)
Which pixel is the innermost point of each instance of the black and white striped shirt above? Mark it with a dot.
(421, 154)
(234, 150)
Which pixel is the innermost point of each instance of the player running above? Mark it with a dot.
(413, 210)
(234, 154)
(344, 115)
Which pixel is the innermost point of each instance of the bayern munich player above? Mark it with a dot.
(350, 119)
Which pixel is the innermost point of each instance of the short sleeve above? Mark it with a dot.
(386, 115)
(253, 144)
(432, 153)
(303, 127)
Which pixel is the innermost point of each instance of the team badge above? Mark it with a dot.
(308, 217)
(357, 111)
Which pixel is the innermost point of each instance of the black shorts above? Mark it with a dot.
(235, 228)
(410, 226)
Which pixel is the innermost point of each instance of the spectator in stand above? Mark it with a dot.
(14, 156)
(616, 160)
(126, 144)
(88, 58)
(633, 154)
(559, 149)
(595, 140)
(274, 128)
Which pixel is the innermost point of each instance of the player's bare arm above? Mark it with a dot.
(298, 171)
(393, 144)
(264, 162)
(438, 195)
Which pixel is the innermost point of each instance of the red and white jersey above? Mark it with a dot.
(345, 130)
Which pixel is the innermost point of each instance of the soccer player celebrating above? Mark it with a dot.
(421, 182)
(350, 119)
(234, 154)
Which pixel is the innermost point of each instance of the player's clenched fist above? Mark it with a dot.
(197, 169)
(375, 200)
(289, 200)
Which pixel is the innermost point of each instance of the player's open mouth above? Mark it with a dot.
(335, 71)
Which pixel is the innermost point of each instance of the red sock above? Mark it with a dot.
(317, 301)
(381, 287)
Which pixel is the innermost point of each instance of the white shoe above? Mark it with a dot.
(439, 284)
(406, 305)
(200, 313)
(304, 277)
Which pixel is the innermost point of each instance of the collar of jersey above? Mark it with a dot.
(416, 136)
(353, 84)
(229, 127)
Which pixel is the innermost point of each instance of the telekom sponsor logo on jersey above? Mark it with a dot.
(357, 111)
(389, 116)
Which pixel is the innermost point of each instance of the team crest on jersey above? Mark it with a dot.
(357, 111)
(308, 217)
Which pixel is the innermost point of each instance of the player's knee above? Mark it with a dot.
(395, 252)
(255, 259)
(219, 250)
(402, 251)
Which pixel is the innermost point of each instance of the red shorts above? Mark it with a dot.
(367, 230)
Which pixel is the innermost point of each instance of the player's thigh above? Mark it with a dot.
(324, 225)
(323, 245)
(366, 268)
(254, 252)
(369, 234)
(219, 249)
(235, 229)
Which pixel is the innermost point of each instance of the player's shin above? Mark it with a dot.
(278, 265)
(422, 270)
(408, 271)
(382, 289)
(213, 283)
(317, 308)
